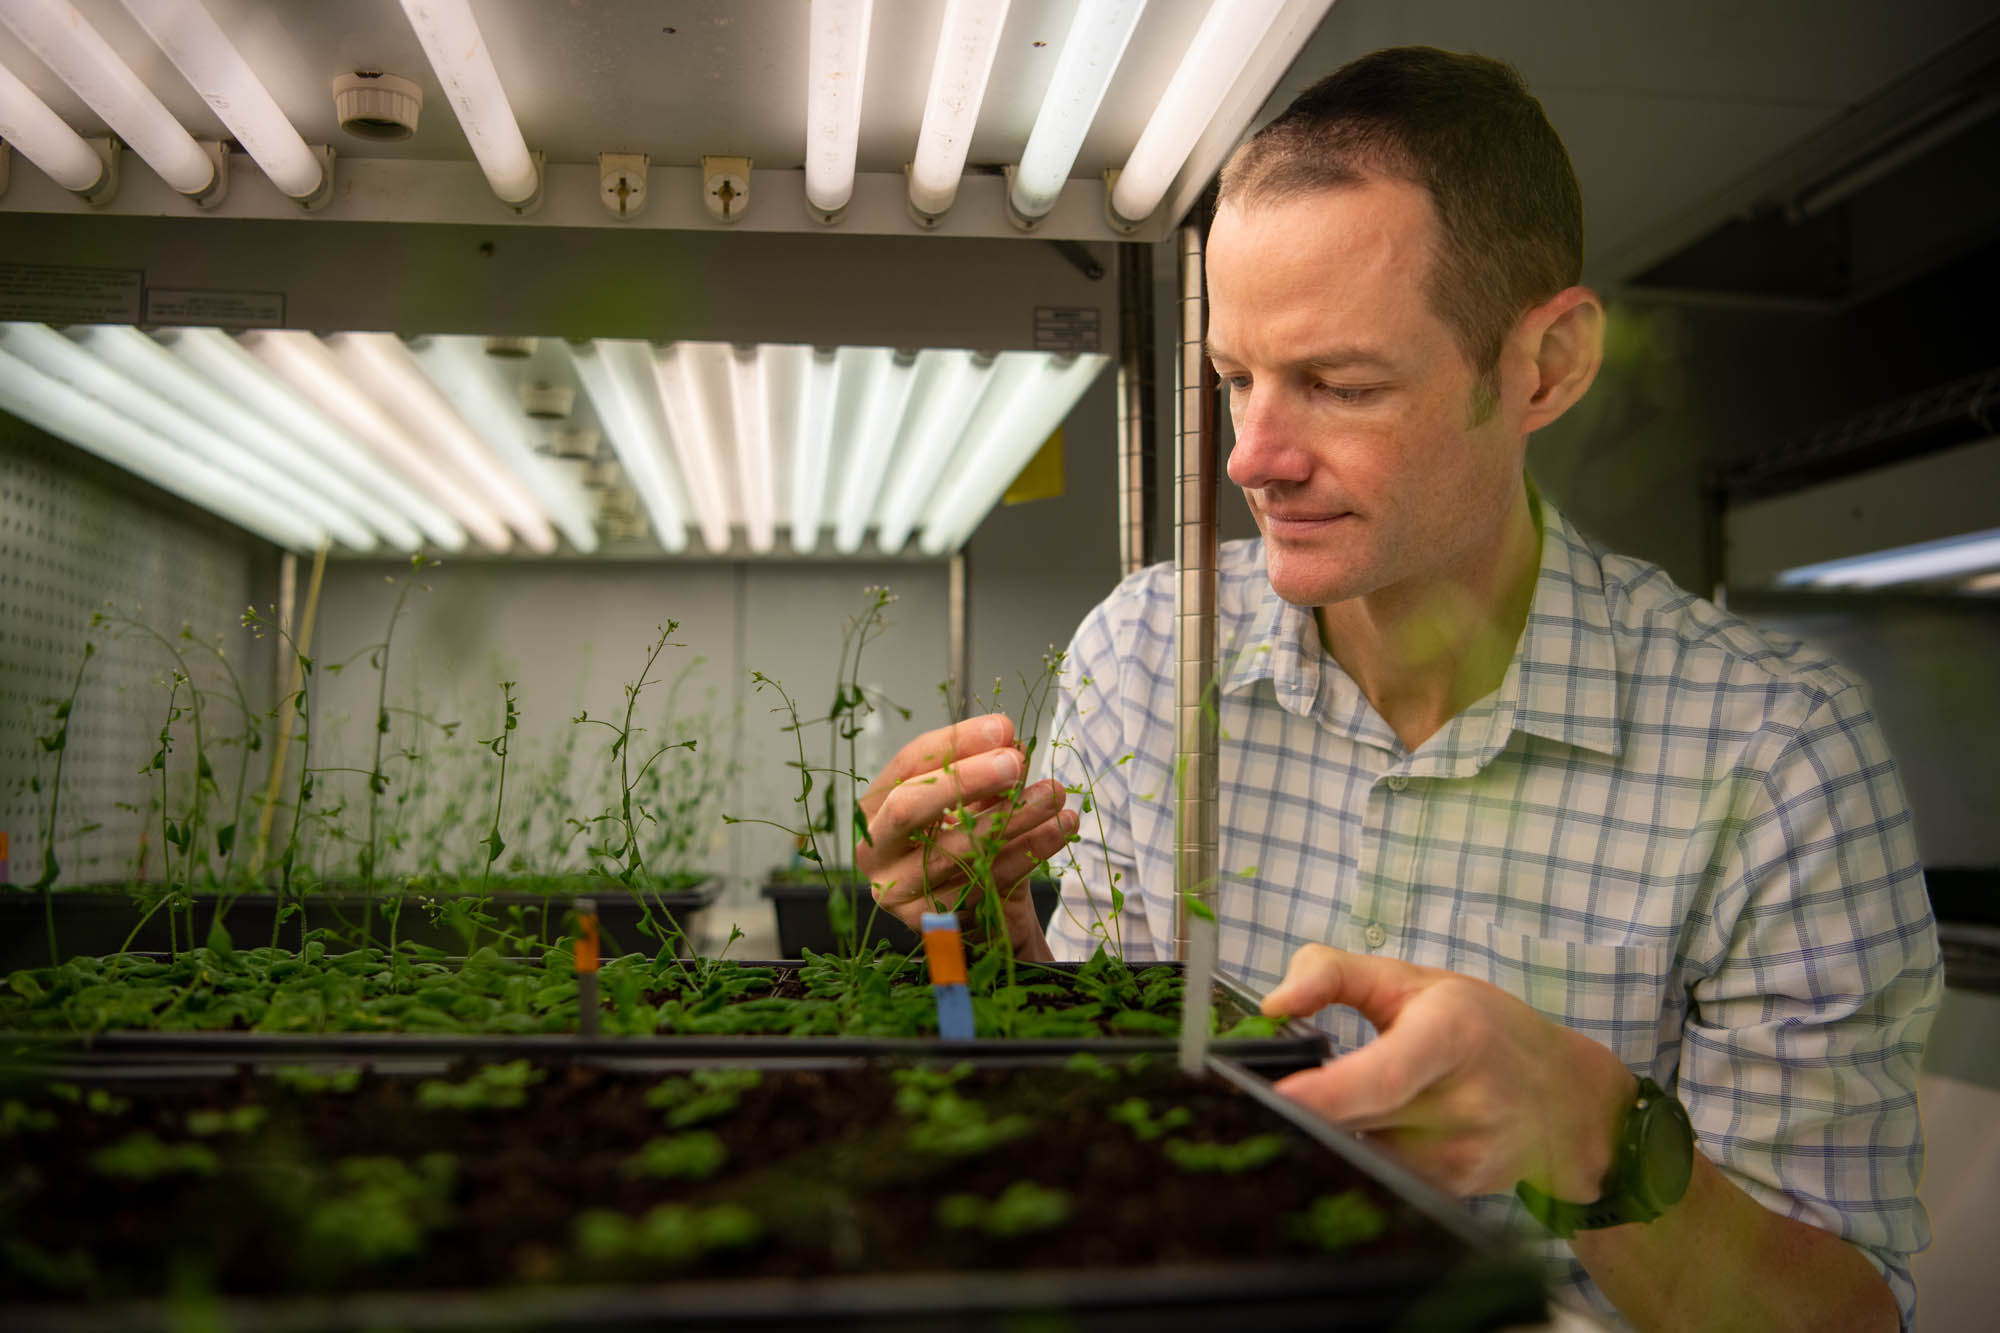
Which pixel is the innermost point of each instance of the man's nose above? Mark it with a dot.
(1269, 448)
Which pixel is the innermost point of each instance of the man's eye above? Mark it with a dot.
(1350, 394)
(1236, 383)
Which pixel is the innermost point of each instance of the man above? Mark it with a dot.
(1530, 823)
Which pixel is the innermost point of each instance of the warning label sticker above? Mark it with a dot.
(225, 310)
(70, 294)
(1068, 328)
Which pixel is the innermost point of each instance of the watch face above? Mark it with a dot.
(1666, 1151)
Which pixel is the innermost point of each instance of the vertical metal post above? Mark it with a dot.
(282, 661)
(958, 626)
(1137, 434)
(1195, 467)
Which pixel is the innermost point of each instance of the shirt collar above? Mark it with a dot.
(1562, 683)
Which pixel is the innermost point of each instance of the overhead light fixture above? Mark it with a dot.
(62, 154)
(812, 449)
(151, 366)
(64, 41)
(836, 69)
(458, 56)
(1098, 35)
(750, 404)
(1922, 562)
(951, 387)
(892, 376)
(59, 358)
(693, 381)
(310, 367)
(219, 359)
(1001, 445)
(967, 43)
(386, 370)
(617, 375)
(210, 62)
(63, 411)
(475, 388)
(1229, 35)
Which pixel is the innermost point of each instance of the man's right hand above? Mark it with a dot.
(917, 853)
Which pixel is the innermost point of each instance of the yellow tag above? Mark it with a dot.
(1042, 478)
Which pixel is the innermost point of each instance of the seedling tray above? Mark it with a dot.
(848, 1221)
(1297, 1045)
(799, 907)
(98, 921)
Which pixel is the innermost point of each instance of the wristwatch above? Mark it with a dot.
(1655, 1158)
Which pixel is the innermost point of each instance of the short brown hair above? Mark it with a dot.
(1466, 129)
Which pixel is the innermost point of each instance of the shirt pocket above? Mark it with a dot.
(1615, 994)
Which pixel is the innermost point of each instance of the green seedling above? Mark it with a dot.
(491, 1087)
(703, 1095)
(672, 1233)
(142, 1156)
(18, 1117)
(1137, 1116)
(955, 1126)
(242, 1120)
(1021, 1208)
(696, 1155)
(380, 1208)
(317, 1082)
(95, 1100)
(1335, 1222)
(1230, 1159)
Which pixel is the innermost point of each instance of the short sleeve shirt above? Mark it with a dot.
(1664, 829)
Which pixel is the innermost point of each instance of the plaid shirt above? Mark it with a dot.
(1664, 829)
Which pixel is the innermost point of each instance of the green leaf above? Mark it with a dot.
(225, 838)
(1200, 908)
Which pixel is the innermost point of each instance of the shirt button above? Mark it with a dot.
(1375, 935)
(1397, 782)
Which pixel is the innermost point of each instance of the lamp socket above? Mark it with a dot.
(621, 183)
(725, 186)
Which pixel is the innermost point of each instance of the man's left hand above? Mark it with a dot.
(1464, 1084)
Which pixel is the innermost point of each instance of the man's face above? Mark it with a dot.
(1351, 400)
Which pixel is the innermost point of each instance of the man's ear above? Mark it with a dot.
(1562, 342)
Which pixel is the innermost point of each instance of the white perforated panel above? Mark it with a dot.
(75, 537)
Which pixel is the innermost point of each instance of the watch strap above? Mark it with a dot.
(1624, 1198)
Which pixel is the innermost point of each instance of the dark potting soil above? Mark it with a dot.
(823, 1161)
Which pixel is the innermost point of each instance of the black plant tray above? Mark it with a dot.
(97, 921)
(1298, 1045)
(1434, 1269)
(800, 908)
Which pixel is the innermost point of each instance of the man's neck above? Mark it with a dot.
(1423, 653)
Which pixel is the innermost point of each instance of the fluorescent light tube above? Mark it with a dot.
(868, 460)
(56, 356)
(967, 43)
(836, 68)
(953, 390)
(475, 387)
(27, 123)
(220, 360)
(64, 41)
(1948, 558)
(812, 450)
(786, 369)
(210, 62)
(1222, 46)
(151, 366)
(306, 363)
(617, 376)
(458, 56)
(750, 403)
(693, 380)
(388, 371)
(63, 411)
(1098, 35)
(994, 456)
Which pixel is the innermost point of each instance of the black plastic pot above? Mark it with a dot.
(98, 921)
(800, 907)
(1443, 1274)
(1298, 1045)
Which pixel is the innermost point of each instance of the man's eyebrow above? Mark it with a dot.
(1335, 357)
